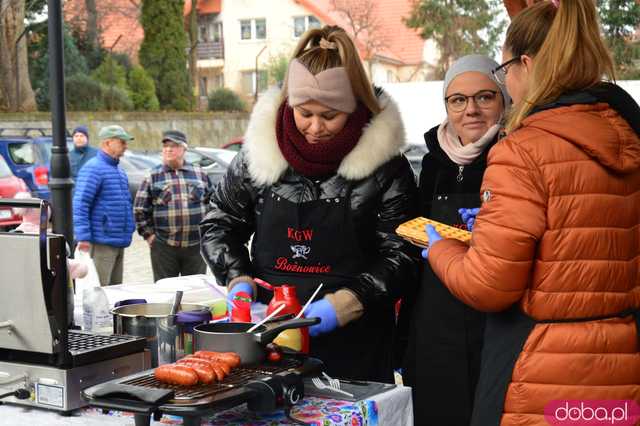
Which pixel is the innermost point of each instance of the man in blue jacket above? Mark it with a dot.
(82, 152)
(102, 209)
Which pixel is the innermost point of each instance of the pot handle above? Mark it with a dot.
(267, 336)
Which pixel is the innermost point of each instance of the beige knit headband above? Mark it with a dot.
(330, 87)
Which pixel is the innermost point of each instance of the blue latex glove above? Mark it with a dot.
(324, 310)
(469, 217)
(241, 286)
(434, 237)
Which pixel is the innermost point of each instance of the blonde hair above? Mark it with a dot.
(568, 49)
(318, 55)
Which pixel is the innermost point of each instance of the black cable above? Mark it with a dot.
(20, 394)
(287, 412)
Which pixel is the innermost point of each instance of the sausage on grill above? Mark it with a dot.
(219, 368)
(205, 373)
(230, 358)
(176, 375)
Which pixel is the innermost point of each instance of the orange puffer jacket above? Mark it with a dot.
(559, 233)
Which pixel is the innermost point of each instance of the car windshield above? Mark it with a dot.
(197, 159)
(5, 171)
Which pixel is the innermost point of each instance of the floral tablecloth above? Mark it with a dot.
(389, 408)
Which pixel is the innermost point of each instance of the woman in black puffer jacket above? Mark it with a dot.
(321, 185)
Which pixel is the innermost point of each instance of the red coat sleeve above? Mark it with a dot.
(495, 270)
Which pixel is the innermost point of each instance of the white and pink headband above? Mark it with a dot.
(330, 87)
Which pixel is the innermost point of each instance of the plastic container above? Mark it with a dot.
(186, 321)
(242, 310)
(96, 315)
(297, 339)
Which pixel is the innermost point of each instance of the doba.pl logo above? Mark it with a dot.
(592, 413)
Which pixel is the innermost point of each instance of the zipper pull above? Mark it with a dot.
(459, 178)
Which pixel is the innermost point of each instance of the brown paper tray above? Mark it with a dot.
(414, 231)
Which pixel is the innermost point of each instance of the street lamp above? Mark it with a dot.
(257, 78)
(60, 181)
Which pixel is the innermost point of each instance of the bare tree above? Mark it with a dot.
(16, 93)
(363, 24)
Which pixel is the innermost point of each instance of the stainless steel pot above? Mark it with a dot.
(155, 322)
(233, 337)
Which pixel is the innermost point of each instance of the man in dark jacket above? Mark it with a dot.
(82, 151)
(102, 211)
(169, 206)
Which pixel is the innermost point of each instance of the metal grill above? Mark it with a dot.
(238, 377)
(83, 342)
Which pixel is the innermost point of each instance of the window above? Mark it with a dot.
(303, 23)
(5, 171)
(203, 86)
(218, 81)
(22, 153)
(216, 32)
(249, 81)
(255, 29)
(245, 30)
(203, 34)
(261, 29)
(390, 78)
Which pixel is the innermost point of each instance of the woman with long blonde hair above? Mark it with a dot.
(555, 253)
(321, 184)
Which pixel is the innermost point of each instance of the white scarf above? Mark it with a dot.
(463, 154)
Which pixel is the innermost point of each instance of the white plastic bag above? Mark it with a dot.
(91, 279)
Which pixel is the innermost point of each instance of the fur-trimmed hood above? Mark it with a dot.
(382, 139)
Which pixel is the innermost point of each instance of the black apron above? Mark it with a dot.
(448, 337)
(505, 335)
(305, 244)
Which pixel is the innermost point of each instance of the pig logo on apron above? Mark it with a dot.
(300, 251)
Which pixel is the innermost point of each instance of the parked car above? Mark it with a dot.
(234, 144)
(214, 161)
(27, 151)
(10, 185)
(136, 165)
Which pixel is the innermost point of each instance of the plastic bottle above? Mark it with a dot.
(297, 337)
(96, 313)
(242, 310)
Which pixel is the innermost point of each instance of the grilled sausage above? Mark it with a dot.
(225, 367)
(176, 375)
(205, 373)
(219, 368)
(230, 358)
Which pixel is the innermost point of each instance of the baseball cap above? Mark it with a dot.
(114, 132)
(175, 136)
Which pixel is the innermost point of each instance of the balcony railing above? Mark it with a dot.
(210, 50)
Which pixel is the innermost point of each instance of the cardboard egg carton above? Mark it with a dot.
(414, 231)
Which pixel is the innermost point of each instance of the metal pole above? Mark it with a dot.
(60, 181)
(257, 78)
(17, 67)
(112, 64)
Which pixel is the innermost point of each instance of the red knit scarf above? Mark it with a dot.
(323, 158)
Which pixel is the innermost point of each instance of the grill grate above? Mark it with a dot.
(83, 342)
(238, 377)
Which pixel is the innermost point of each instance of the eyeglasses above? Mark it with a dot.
(484, 99)
(500, 73)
